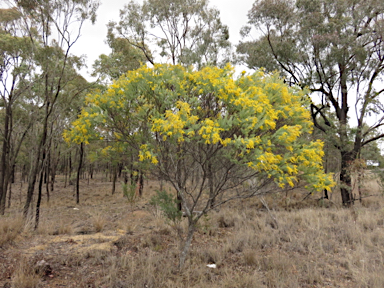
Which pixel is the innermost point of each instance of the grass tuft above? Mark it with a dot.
(25, 276)
(10, 228)
(98, 222)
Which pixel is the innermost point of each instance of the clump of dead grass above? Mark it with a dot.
(153, 241)
(250, 257)
(151, 269)
(25, 276)
(98, 222)
(10, 228)
(46, 228)
(64, 228)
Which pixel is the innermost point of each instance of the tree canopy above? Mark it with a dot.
(123, 57)
(256, 118)
(336, 49)
(186, 32)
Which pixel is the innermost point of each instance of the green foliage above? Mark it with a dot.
(9, 15)
(124, 57)
(186, 32)
(206, 225)
(168, 205)
(129, 191)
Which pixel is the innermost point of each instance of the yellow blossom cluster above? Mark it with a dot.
(255, 120)
(174, 122)
(145, 154)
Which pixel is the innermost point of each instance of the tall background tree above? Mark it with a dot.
(336, 49)
(186, 32)
(46, 77)
(124, 57)
(16, 64)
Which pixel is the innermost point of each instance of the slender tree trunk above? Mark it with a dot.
(13, 173)
(114, 180)
(91, 171)
(8, 161)
(89, 175)
(121, 166)
(12, 180)
(21, 189)
(4, 165)
(43, 176)
(47, 187)
(346, 155)
(31, 187)
(39, 195)
(78, 172)
(325, 191)
(141, 183)
(211, 185)
(4, 196)
(345, 179)
(9, 195)
(359, 185)
(179, 182)
(46, 176)
(65, 172)
(70, 168)
(31, 183)
(36, 163)
(187, 243)
(53, 178)
(23, 173)
(161, 185)
(54, 164)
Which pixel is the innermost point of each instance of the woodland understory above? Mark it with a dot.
(106, 241)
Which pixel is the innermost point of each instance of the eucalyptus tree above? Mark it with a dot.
(336, 48)
(185, 31)
(52, 27)
(16, 63)
(124, 57)
(63, 107)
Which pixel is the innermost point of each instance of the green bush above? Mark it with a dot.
(129, 191)
(168, 205)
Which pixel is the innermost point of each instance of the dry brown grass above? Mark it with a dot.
(106, 242)
(25, 276)
(10, 228)
(98, 222)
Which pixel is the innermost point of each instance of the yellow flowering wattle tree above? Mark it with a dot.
(211, 137)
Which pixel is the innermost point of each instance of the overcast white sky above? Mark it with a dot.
(91, 43)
